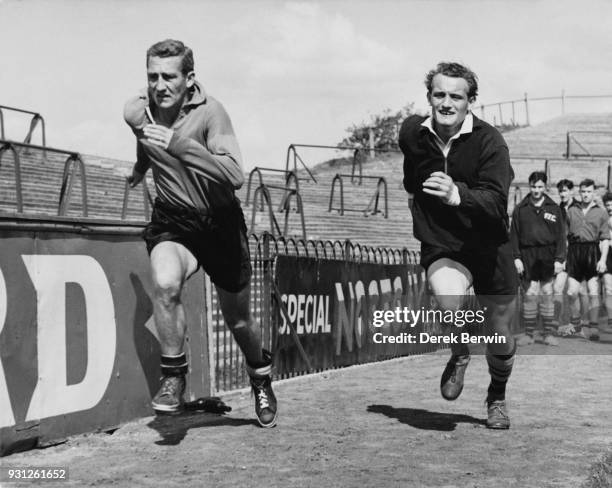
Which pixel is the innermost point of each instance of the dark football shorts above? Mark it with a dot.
(539, 262)
(582, 260)
(219, 242)
(492, 268)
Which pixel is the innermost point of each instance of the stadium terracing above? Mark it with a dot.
(75, 312)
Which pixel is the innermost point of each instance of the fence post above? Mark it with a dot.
(371, 141)
(563, 102)
(527, 109)
(266, 318)
(609, 174)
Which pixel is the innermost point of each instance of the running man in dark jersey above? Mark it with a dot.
(457, 174)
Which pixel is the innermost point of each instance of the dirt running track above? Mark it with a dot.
(382, 425)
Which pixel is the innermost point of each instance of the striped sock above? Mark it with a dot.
(174, 365)
(594, 308)
(558, 311)
(547, 311)
(608, 304)
(500, 368)
(575, 321)
(530, 313)
(261, 369)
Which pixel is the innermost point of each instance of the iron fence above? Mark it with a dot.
(371, 207)
(228, 362)
(518, 112)
(596, 168)
(588, 144)
(34, 123)
(73, 160)
(356, 158)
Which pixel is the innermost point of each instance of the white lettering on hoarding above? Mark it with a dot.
(308, 313)
(352, 317)
(6, 412)
(49, 274)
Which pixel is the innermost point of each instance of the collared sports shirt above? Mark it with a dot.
(479, 164)
(202, 165)
(466, 128)
(589, 226)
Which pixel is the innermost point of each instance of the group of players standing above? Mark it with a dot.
(561, 251)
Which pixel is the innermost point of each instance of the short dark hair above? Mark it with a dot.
(454, 70)
(565, 183)
(607, 197)
(537, 176)
(172, 47)
(587, 182)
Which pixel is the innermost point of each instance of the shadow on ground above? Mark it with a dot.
(424, 419)
(174, 428)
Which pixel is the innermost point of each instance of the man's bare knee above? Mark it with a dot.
(167, 291)
(533, 289)
(450, 302)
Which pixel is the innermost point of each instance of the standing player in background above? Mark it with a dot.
(565, 188)
(607, 277)
(185, 136)
(588, 236)
(538, 241)
(457, 174)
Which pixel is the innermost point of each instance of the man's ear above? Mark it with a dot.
(471, 102)
(190, 79)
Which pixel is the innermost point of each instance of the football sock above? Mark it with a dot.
(530, 312)
(174, 365)
(547, 311)
(500, 368)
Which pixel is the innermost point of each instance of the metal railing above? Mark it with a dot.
(147, 200)
(572, 136)
(290, 176)
(357, 163)
(263, 193)
(34, 121)
(523, 103)
(228, 361)
(9, 146)
(372, 206)
(73, 159)
(548, 164)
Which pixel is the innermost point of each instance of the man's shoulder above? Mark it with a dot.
(212, 108)
(410, 127)
(549, 202)
(523, 203)
(486, 130)
(601, 211)
(413, 121)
